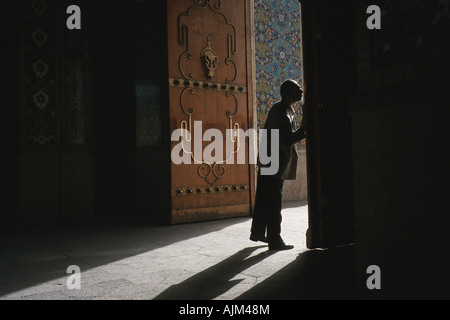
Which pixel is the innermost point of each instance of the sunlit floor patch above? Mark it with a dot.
(210, 260)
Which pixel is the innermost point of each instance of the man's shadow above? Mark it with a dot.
(214, 281)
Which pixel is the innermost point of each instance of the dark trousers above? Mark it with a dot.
(267, 215)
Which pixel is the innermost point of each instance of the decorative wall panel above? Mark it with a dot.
(148, 59)
(39, 114)
(54, 87)
(278, 56)
(76, 92)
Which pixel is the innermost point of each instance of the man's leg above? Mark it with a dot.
(274, 218)
(274, 206)
(259, 222)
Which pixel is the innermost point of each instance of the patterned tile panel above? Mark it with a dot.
(39, 114)
(278, 47)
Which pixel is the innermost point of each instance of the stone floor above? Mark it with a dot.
(208, 260)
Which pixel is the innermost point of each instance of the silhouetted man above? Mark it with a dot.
(267, 215)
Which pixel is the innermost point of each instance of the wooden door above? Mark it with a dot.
(329, 64)
(209, 51)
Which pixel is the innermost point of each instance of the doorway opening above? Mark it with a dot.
(278, 56)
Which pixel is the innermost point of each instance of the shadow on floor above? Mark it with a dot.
(31, 256)
(214, 281)
(317, 274)
(314, 275)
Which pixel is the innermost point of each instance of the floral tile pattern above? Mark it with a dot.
(278, 47)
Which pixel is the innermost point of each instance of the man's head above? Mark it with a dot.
(290, 91)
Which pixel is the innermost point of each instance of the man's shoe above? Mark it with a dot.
(258, 238)
(280, 246)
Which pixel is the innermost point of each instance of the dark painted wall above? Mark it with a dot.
(9, 118)
(382, 148)
(400, 150)
(119, 166)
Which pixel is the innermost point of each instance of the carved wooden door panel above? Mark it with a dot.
(209, 51)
